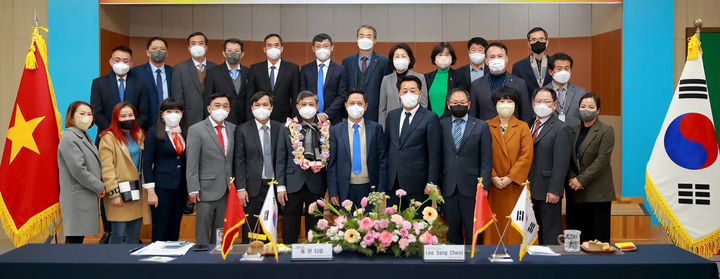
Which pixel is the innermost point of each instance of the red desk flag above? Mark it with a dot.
(29, 182)
(483, 216)
(234, 219)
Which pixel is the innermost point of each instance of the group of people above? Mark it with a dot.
(173, 136)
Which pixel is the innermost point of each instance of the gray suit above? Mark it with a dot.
(80, 182)
(572, 103)
(186, 87)
(209, 171)
(389, 98)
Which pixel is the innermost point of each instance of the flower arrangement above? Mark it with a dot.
(400, 232)
(296, 138)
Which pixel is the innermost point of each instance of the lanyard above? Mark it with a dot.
(539, 75)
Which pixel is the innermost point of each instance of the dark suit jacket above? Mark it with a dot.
(465, 72)
(592, 168)
(462, 167)
(416, 159)
(286, 88)
(186, 88)
(377, 69)
(340, 163)
(291, 175)
(551, 158)
(161, 163)
(144, 72)
(481, 102)
(523, 70)
(105, 94)
(455, 80)
(249, 155)
(334, 88)
(218, 79)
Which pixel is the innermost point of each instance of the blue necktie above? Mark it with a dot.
(121, 88)
(356, 156)
(457, 132)
(234, 74)
(158, 81)
(320, 89)
(272, 78)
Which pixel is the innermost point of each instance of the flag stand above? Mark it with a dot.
(253, 237)
(501, 258)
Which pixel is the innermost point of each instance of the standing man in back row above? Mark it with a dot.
(534, 69)
(188, 79)
(366, 69)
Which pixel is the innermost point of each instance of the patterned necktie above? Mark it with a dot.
(536, 129)
(220, 136)
(457, 132)
(364, 64)
(357, 152)
(178, 143)
(272, 78)
(159, 83)
(561, 99)
(121, 88)
(201, 67)
(267, 154)
(320, 89)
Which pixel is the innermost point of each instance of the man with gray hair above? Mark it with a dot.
(301, 159)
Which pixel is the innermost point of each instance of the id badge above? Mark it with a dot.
(561, 117)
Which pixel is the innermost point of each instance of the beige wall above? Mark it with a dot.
(16, 18)
(686, 12)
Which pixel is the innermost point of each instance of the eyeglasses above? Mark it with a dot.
(542, 40)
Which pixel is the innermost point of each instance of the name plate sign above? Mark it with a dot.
(444, 253)
(312, 252)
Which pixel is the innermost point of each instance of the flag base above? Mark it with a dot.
(500, 258)
(252, 258)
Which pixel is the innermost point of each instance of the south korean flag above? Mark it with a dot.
(523, 220)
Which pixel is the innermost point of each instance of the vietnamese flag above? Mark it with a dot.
(483, 216)
(234, 218)
(29, 182)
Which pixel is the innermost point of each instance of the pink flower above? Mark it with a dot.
(397, 219)
(364, 202)
(390, 210)
(381, 224)
(416, 226)
(311, 208)
(403, 243)
(365, 224)
(369, 238)
(404, 233)
(339, 221)
(322, 224)
(412, 238)
(434, 240)
(347, 203)
(400, 193)
(385, 238)
(406, 225)
(426, 238)
(321, 203)
(337, 249)
(310, 236)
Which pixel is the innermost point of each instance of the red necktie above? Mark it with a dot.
(220, 136)
(178, 143)
(536, 129)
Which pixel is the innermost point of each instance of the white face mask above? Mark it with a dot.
(496, 65)
(120, 68)
(84, 122)
(219, 115)
(542, 110)
(505, 110)
(477, 58)
(355, 111)
(307, 112)
(562, 77)
(443, 62)
(401, 64)
(261, 113)
(172, 119)
(365, 44)
(322, 54)
(273, 53)
(197, 51)
(409, 100)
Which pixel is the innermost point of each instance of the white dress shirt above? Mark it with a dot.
(412, 115)
(124, 83)
(224, 133)
(204, 63)
(277, 69)
(325, 68)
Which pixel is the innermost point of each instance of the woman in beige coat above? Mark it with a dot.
(120, 152)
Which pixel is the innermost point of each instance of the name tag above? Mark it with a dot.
(444, 253)
(312, 252)
(561, 117)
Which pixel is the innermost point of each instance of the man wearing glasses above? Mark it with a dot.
(534, 69)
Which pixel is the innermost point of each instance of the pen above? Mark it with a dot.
(138, 248)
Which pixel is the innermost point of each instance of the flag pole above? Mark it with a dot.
(698, 25)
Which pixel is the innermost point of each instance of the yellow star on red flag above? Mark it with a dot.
(21, 134)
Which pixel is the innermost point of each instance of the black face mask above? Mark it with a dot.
(538, 47)
(459, 110)
(127, 124)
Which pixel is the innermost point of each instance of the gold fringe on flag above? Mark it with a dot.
(32, 231)
(706, 247)
(693, 47)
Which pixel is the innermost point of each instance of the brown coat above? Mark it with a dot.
(117, 166)
(512, 157)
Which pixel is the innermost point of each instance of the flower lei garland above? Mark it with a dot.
(296, 138)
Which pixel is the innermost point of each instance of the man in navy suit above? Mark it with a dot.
(534, 69)
(357, 154)
(467, 156)
(333, 82)
(366, 69)
(115, 87)
(230, 78)
(157, 77)
(414, 145)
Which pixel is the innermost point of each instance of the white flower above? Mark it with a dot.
(341, 234)
(395, 238)
(422, 225)
(363, 245)
(396, 232)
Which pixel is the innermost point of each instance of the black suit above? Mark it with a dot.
(218, 79)
(461, 169)
(248, 165)
(376, 70)
(523, 70)
(334, 88)
(464, 71)
(455, 80)
(164, 167)
(144, 72)
(551, 160)
(303, 187)
(481, 99)
(414, 159)
(286, 88)
(105, 94)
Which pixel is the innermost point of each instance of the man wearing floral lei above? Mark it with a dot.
(301, 163)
